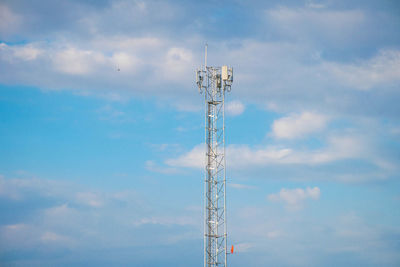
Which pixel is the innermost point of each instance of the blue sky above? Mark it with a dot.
(100, 167)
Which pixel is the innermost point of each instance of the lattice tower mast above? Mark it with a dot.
(214, 82)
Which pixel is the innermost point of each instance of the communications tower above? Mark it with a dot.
(214, 82)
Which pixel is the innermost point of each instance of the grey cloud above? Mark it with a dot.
(52, 217)
(157, 54)
(345, 239)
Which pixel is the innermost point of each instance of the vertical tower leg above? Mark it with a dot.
(215, 234)
(217, 81)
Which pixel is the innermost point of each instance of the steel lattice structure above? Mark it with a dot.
(214, 82)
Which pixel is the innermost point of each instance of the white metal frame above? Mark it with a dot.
(214, 82)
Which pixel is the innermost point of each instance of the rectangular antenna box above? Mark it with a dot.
(224, 73)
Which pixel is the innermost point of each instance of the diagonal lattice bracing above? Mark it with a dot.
(214, 82)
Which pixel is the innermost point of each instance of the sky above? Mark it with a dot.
(102, 131)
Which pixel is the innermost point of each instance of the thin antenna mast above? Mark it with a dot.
(205, 58)
(218, 80)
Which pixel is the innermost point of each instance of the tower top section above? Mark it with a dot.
(217, 79)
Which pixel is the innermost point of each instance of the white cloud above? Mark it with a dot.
(128, 44)
(241, 186)
(298, 125)
(177, 65)
(85, 216)
(147, 66)
(10, 21)
(20, 235)
(95, 65)
(90, 198)
(112, 114)
(244, 157)
(316, 22)
(15, 53)
(234, 108)
(167, 221)
(153, 167)
(337, 148)
(124, 61)
(59, 213)
(294, 197)
(242, 247)
(311, 4)
(26, 52)
(193, 159)
(274, 234)
(51, 237)
(295, 78)
(20, 189)
(395, 131)
(162, 65)
(383, 69)
(77, 61)
(26, 236)
(279, 233)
